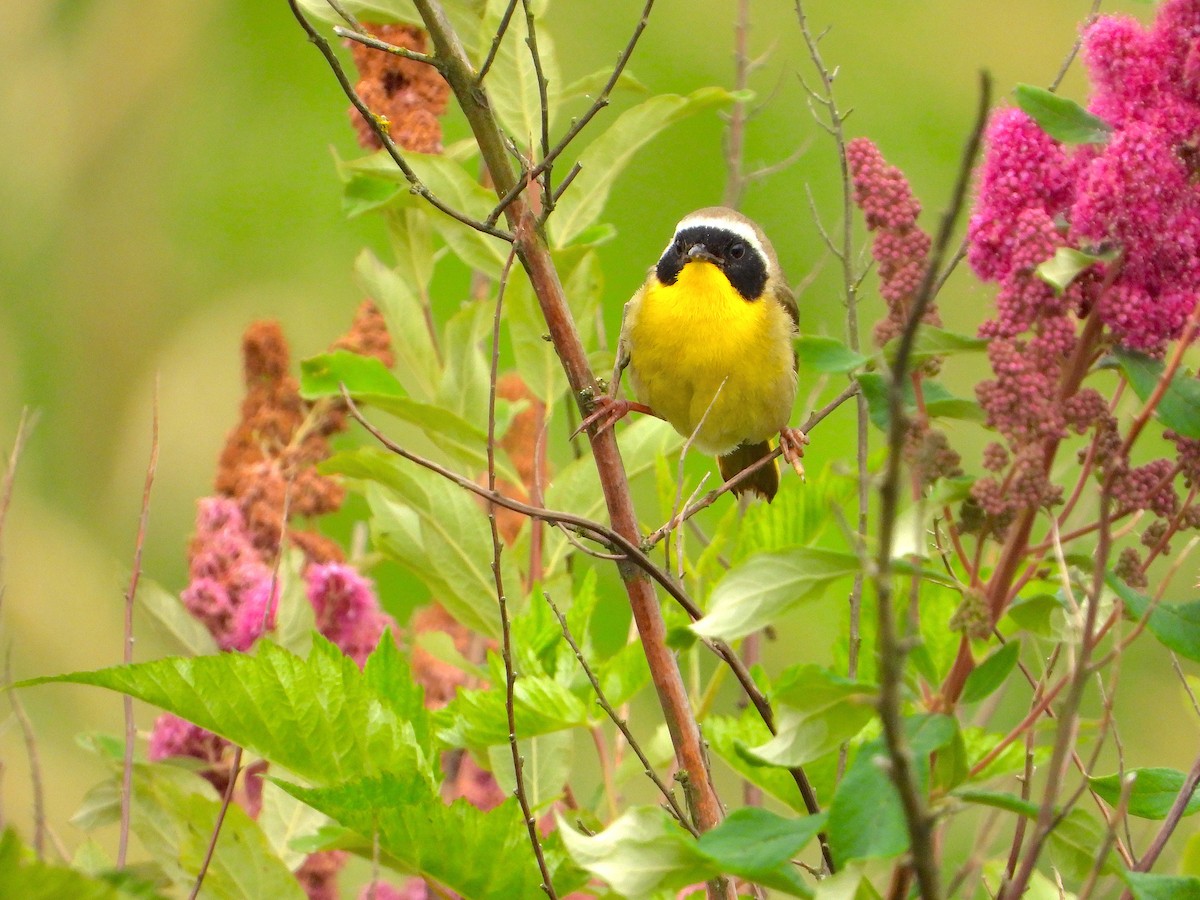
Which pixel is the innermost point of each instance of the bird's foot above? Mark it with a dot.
(791, 445)
(608, 411)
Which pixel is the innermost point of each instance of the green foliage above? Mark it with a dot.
(644, 853)
(1061, 118)
(1179, 407)
(1149, 886)
(320, 717)
(1152, 791)
(23, 876)
(866, 820)
(938, 401)
(990, 674)
(1177, 626)
(1066, 265)
(826, 355)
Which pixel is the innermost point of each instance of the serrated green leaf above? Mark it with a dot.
(1066, 265)
(826, 355)
(1061, 118)
(624, 674)
(728, 738)
(1151, 886)
(991, 673)
(816, 712)
(641, 853)
(607, 156)
(324, 374)
(1175, 625)
(757, 591)
(415, 828)
(479, 718)
(172, 619)
(537, 362)
(758, 845)
(395, 292)
(866, 820)
(1153, 792)
(1179, 408)
(319, 717)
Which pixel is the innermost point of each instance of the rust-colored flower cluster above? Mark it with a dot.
(410, 96)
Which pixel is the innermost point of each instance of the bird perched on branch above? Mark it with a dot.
(708, 340)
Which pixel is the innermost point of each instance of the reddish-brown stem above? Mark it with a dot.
(534, 257)
(235, 767)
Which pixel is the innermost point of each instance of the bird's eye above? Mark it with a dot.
(737, 251)
(680, 247)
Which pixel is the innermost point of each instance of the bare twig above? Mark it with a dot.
(235, 767)
(620, 722)
(130, 594)
(496, 41)
(1171, 822)
(1074, 51)
(36, 784)
(508, 196)
(711, 497)
(892, 650)
(369, 40)
(510, 672)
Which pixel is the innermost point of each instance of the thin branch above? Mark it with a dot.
(235, 768)
(620, 722)
(510, 672)
(496, 41)
(892, 651)
(579, 124)
(735, 133)
(37, 785)
(711, 497)
(130, 594)
(1171, 822)
(1070, 58)
(543, 102)
(381, 132)
(369, 40)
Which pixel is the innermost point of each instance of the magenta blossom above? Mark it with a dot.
(346, 608)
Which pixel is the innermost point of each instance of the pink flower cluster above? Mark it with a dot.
(899, 245)
(1135, 193)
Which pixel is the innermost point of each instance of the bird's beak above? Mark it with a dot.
(699, 251)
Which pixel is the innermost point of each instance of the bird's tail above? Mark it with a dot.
(764, 482)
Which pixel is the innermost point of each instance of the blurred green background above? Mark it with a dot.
(168, 178)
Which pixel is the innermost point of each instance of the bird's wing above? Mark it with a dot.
(783, 296)
(627, 314)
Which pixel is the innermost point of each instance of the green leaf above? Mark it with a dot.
(826, 355)
(1061, 118)
(758, 845)
(939, 402)
(479, 718)
(545, 768)
(364, 10)
(536, 360)
(21, 875)
(395, 292)
(491, 854)
(991, 673)
(435, 529)
(1176, 626)
(172, 619)
(796, 517)
(594, 83)
(1149, 886)
(512, 84)
(176, 824)
(285, 821)
(1067, 264)
(756, 592)
(729, 739)
(608, 155)
(931, 341)
(365, 376)
(866, 820)
(817, 711)
(999, 800)
(642, 852)
(1153, 792)
(1074, 842)
(295, 620)
(319, 717)
(1179, 408)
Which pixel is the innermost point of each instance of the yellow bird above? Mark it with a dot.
(708, 340)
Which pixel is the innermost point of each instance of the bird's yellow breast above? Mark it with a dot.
(697, 343)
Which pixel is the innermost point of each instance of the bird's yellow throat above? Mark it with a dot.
(699, 336)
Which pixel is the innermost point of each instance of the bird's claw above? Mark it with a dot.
(608, 411)
(791, 446)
